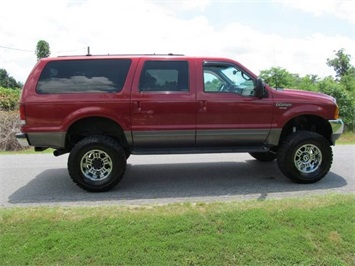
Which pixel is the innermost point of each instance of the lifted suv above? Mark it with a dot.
(101, 109)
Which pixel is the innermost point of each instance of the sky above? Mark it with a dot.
(294, 34)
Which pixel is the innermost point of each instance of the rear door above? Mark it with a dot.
(163, 104)
(229, 115)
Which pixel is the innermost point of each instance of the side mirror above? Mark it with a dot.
(260, 88)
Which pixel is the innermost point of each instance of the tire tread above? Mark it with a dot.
(292, 141)
(98, 139)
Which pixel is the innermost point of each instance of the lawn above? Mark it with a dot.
(347, 138)
(311, 231)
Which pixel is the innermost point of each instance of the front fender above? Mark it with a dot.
(283, 114)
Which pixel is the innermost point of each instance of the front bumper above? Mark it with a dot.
(22, 139)
(337, 128)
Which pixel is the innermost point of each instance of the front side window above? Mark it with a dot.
(164, 76)
(227, 78)
(213, 83)
(83, 76)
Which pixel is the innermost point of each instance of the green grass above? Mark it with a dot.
(29, 150)
(312, 231)
(346, 138)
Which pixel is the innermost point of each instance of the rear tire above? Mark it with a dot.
(305, 157)
(97, 163)
(263, 156)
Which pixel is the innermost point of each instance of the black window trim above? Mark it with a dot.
(118, 89)
(167, 91)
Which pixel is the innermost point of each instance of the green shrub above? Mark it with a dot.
(344, 100)
(9, 99)
(9, 126)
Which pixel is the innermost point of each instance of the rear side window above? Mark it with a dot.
(164, 76)
(83, 76)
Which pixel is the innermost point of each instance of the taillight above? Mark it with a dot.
(22, 114)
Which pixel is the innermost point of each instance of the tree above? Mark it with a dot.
(344, 99)
(349, 81)
(42, 49)
(7, 81)
(278, 77)
(341, 63)
(308, 82)
(213, 85)
(342, 88)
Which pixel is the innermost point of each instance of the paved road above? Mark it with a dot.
(42, 179)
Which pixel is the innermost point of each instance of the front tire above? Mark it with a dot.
(97, 163)
(305, 157)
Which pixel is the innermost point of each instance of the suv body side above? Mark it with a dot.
(189, 120)
(101, 109)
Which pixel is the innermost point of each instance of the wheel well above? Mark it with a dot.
(95, 126)
(308, 123)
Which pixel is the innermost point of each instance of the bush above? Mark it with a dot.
(9, 99)
(344, 100)
(9, 126)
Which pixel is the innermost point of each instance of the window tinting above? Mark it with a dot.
(83, 76)
(164, 76)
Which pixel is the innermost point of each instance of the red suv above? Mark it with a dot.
(101, 109)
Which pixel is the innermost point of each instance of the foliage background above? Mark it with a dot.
(9, 119)
(9, 99)
(342, 89)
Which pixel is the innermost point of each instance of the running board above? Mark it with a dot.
(143, 151)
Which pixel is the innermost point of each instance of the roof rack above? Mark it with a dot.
(169, 54)
(153, 54)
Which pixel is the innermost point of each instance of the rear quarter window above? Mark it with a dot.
(83, 76)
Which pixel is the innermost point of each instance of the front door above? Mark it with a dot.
(229, 115)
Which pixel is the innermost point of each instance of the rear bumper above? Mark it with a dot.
(55, 140)
(337, 128)
(22, 139)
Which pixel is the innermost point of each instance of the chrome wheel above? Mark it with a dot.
(96, 165)
(308, 158)
(305, 157)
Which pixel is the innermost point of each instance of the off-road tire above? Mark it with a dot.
(305, 157)
(97, 163)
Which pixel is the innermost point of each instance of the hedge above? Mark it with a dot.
(9, 99)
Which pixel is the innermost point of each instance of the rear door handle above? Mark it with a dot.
(203, 106)
(137, 105)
